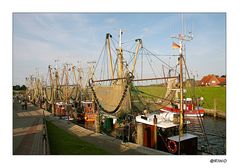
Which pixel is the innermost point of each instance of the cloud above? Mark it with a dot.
(41, 38)
(110, 21)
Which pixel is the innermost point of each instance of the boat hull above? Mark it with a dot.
(188, 113)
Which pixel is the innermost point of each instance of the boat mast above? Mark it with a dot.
(52, 85)
(108, 36)
(181, 37)
(67, 84)
(181, 89)
(139, 45)
(120, 58)
(56, 80)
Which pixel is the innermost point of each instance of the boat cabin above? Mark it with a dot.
(88, 110)
(159, 131)
(60, 109)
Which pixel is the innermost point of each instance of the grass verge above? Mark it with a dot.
(64, 143)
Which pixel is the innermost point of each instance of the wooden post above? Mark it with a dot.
(140, 134)
(215, 109)
(155, 132)
(97, 123)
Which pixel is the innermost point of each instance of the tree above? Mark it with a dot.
(223, 76)
(17, 87)
(23, 87)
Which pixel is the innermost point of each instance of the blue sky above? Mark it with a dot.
(40, 38)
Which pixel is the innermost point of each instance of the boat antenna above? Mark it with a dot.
(56, 61)
(182, 38)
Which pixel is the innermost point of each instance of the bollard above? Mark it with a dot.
(140, 134)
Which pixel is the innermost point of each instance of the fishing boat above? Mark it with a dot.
(190, 107)
(161, 131)
(166, 130)
(156, 129)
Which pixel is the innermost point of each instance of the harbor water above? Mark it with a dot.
(215, 129)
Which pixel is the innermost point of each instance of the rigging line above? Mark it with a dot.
(133, 55)
(101, 69)
(175, 72)
(131, 59)
(116, 60)
(133, 47)
(156, 55)
(142, 56)
(152, 97)
(114, 45)
(128, 41)
(150, 64)
(115, 64)
(157, 68)
(132, 52)
(103, 65)
(113, 39)
(99, 57)
(71, 80)
(61, 77)
(114, 50)
(107, 67)
(173, 68)
(187, 73)
(165, 55)
(135, 89)
(165, 80)
(158, 58)
(47, 77)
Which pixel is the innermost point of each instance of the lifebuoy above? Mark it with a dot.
(172, 146)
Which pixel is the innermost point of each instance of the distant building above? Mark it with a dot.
(222, 80)
(212, 80)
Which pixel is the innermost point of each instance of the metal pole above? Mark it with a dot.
(181, 91)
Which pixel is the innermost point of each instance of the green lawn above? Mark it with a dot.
(209, 94)
(63, 143)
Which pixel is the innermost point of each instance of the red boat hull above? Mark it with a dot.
(189, 113)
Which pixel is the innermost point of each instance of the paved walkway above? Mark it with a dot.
(110, 144)
(28, 130)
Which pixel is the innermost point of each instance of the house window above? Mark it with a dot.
(213, 81)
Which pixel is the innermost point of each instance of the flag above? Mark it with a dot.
(175, 45)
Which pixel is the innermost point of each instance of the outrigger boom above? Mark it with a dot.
(135, 80)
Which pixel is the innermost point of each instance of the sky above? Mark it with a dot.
(41, 38)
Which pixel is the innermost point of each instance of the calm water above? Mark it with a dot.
(215, 129)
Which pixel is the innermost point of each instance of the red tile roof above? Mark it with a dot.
(222, 80)
(207, 80)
